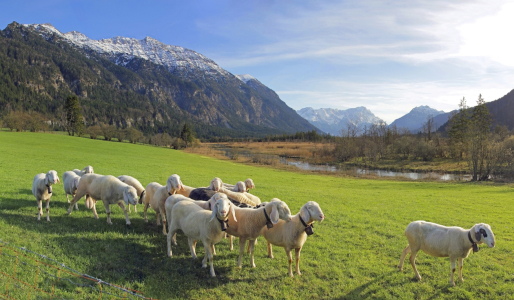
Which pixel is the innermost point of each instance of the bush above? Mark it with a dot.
(94, 131)
(108, 131)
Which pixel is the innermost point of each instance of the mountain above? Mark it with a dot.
(414, 120)
(334, 121)
(129, 82)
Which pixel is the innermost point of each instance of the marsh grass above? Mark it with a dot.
(353, 254)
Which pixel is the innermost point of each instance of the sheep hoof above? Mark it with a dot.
(291, 275)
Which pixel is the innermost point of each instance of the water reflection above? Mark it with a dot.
(357, 172)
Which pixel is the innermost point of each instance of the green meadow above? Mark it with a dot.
(353, 254)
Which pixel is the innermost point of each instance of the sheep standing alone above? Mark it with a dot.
(292, 235)
(136, 184)
(251, 221)
(199, 224)
(108, 188)
(42, 190)
(70, 181)
(441, 241)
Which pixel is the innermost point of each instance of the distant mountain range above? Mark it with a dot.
(128, 82)
(334, 121)
(414, 120)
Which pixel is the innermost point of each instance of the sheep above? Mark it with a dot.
(240, 197)
(108, 188)
(292, 235)
(174, 199)
(441, 241)
(70, 181)
(137, 185)
(248, 185)
(240, 187)
(197, 224)
(180, 188)
(251, 221)
(42, 190)
(86, 170)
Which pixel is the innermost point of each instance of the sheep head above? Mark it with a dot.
(221, 209)
(216, 184)
(279, 210)
(174, 184)
(249, 184)
(75, 184)
(51, 178)
(311, 212)
(88, 170)
(130, 195)
(484, 234)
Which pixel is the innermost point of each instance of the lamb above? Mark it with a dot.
(42, 190)
(197, 224)
(441, 241)
(292, 235)
(86, 170)
(137, 185)
(108, 188)
(70, 181)
(251, 221)
(174, 199)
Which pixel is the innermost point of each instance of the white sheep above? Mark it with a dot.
(42, 190)
(86, 170)
(241, 197)
(107, 188)
(199, 224)
(292, 235)
(248, 185)
(137, 185)
(441, 241)
(251, 221)
(179, 188)
(70, 181)
(174, 199)
(240, 187)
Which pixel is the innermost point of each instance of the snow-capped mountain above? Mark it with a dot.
(334, 121)
(122, 49)
(415, 119)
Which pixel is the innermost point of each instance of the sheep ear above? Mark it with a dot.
(233, 211)
(274, 215)
(477, 233)
(304, 213)
(214, 212)
(46, 179)
(58, 180)
(168, 186)
(125, 196)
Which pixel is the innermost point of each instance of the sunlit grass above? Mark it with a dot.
(353, 253)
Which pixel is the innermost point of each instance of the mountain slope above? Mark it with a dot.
(130, 90)
(335, 121)
(414, 120)
(224, 100)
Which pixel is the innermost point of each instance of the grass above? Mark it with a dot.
(353, 254)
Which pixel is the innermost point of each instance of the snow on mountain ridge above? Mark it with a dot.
(175, 58)
(245, 78)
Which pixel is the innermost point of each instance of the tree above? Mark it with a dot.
(134, 135)
(108, 131)
(479, 139)
(73, 121)
(458, 130)
(94, 131)
(428, 128)
(187, 135)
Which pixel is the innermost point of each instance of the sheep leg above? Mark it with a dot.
(48, 210)
(157, 219)
(76, 198)
(213, 250)
(251, 244)
(94, 208)
(108, 211)
(297, 254)
(145, 209)
(404, 254)
(270, 250)
(67, 198)
(171, 234)
(162, 208)
(231, 238)
(452, 261)
(192, 246)
(242, 244)
(290, 259)
(129, 208)
(39, 209)
(135, 208)
(208, 255)
(413, 263)
(125, 211)
(461, 263)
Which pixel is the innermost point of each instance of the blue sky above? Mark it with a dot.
(389, 56)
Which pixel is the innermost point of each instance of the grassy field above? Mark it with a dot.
(353, 254)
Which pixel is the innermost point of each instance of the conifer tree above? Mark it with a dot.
(73, 119)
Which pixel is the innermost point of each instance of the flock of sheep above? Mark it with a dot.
(204, 214)
(210, 213)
